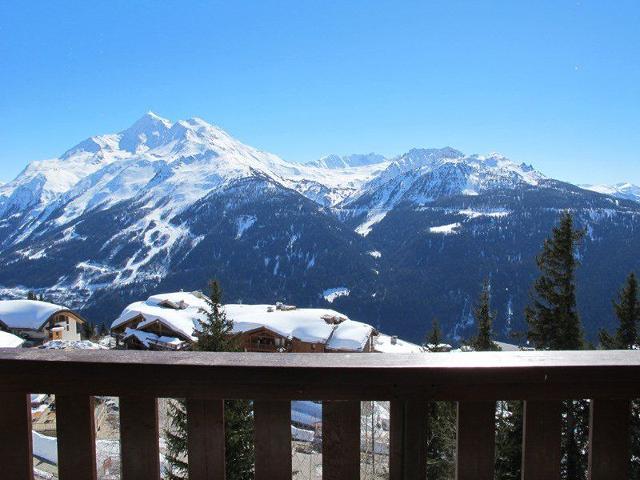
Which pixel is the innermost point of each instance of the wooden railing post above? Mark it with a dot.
(75, 426)
(541, 432)
(139, 436)
(205, 439)
(476, 439)
(408, 440)
(609, 439)
(340, 440)
(272, 440)
(16, 457)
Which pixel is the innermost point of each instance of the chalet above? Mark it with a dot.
(40, 321)
(171, 322)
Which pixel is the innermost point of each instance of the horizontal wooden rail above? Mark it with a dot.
(410, 381)
(291, 376)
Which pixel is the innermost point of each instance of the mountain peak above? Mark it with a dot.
(147, 132)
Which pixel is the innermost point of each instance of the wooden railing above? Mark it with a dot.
(474, 380)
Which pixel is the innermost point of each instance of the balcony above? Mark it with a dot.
(474, 380)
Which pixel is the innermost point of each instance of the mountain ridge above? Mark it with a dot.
(167, 205)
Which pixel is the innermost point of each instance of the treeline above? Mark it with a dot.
(553, 324)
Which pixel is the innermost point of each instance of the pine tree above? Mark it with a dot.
(32, 296)
(554, 324)
(434, 337)
(553, 316)
(88, 330)
(215, 335)
(441, 430)
(627, 310)
(441, 441)
(483, 341)
(509, 416)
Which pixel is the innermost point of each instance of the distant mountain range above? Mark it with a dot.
(627, 191)
(166, 205)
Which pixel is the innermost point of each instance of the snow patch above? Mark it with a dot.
(365, 228)
(449, 229)
(331, 294)
(375, 253)
(244, 223)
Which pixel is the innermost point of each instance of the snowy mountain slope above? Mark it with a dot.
(334, 161)
(625, 190)
(167, 205)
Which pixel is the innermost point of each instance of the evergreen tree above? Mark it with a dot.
(483, 341)
(434, 337)
(553, 316)
(88, 331)
(215, 335)
(441, 430)
(32, 296)
(441, 441)
(627, 310)
(509, 416)
(554, 324)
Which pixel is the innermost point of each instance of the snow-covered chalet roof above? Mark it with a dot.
(27, 314)
(9, 340)
(148, 338)
(383, 344)
(184, 321)
(304, 324)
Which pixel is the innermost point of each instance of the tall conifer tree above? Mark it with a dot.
(441, 429)
(215, 335)
(484, 317)
(627, 309)
(554, 324)
(553, 319)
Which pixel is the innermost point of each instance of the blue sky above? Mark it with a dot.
(552, 83)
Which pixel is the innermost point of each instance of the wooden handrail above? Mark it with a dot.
(336, 376)
(272, 380)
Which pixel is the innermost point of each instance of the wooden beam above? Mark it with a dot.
(475, 453)
(76, 431)
(340, 440)
(609, 438)
(266, 376)
(541, 434)
(408, 440)
(16, 458)
(139, 447)
(206, 440)
(272, 440)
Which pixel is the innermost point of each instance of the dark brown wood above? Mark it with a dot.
(205, 438)
(340, 440)
(272, 440)
(475, 452)
(408, 440)
(16, 462)
(541, 435)
(76, 431)
(139, 447)
(265, 376)
(609, 439)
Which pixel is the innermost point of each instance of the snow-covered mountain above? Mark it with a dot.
(165, 205)
(625, 190)
(345, 161)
